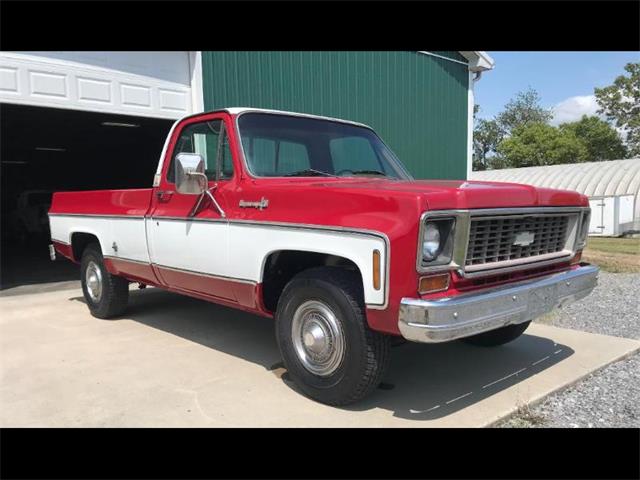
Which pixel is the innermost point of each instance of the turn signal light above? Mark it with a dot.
(576, 258)
(376, 269)
(433, 283)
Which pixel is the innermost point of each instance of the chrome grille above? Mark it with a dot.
(499, 239)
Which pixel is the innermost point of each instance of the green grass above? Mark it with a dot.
(629, 246)
(616, 255)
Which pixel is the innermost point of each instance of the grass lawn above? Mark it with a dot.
(617, 255)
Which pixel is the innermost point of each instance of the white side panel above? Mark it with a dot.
(196, 246)
(624, 214)
(224, 249)
(625, 209)
(250, 245)
(150, 84)
(128, 234)
(608, 216)
(595, 224)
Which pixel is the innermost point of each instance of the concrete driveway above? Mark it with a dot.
(176, 361)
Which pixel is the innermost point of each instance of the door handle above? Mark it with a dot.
(164, 195)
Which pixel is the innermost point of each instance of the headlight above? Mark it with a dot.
(437, 242)
(431, 243)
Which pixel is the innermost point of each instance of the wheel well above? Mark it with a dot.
(283, 265)
(79, 242)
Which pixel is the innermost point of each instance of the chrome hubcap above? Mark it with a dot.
(93, 280)
(318, 338)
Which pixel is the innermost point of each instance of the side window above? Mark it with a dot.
(353, 153)
(271, 157)
(203, 138)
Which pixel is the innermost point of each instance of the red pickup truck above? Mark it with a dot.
(314, 221)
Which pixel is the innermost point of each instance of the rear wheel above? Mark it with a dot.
(107, 295)
(499, 336)
(328, 349)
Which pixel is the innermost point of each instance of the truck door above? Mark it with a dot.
(187, 235)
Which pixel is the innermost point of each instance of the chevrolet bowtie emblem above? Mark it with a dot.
(263, 203)
(524, 239)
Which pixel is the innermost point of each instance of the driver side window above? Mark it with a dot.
(204, 138)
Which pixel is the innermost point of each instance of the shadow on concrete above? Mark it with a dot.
(224, 329)
(28, 264)
(424, 382)
(433, 381)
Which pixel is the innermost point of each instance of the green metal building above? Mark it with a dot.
(421, 103)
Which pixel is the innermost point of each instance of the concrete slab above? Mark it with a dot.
(175, 361)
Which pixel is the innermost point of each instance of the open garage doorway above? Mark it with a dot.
(46, 150)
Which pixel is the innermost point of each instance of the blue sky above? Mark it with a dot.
(564, 80)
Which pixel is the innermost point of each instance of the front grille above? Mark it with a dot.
(505, 238)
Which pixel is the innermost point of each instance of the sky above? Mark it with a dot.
(564, 80)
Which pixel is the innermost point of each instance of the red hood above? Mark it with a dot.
(385, 205)
(460, 194)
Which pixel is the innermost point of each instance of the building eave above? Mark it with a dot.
(478, 61)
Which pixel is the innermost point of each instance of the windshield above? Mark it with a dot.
(278, 145)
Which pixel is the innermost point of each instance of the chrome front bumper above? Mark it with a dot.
(464, 315)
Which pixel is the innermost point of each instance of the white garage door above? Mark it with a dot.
(150, 84)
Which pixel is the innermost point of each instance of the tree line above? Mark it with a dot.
(521, 135)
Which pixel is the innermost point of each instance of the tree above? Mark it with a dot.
(523, 110)
(620, 103)
(486, 137)
(541, 144)
(600, 139)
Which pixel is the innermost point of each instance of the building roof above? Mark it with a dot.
(594, 179)
(476, 61)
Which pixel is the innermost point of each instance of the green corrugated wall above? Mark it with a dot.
(417, 103)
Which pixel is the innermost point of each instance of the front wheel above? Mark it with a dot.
(499, 336)
(107, 295)
(328, 349)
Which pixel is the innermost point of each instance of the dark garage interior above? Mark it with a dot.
(44, 150)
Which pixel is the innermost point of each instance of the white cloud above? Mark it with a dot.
(573, 108)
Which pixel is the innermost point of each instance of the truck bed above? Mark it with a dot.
(114, 217)
(134, 202)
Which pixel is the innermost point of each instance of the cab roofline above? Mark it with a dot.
(241, 110)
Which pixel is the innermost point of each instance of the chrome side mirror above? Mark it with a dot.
(189, 174)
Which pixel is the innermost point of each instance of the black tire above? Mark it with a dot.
(366, 352)
(499, 336)
(115, 290)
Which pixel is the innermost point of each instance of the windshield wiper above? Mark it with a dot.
(369, 172)
(309, 172)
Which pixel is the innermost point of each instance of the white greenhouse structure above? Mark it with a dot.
(613, 188)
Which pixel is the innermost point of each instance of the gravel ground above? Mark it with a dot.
(612, 308)
(608, 398)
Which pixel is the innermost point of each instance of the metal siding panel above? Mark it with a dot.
(416, 102)
(452, 55)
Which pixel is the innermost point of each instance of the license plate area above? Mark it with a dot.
(542, 300)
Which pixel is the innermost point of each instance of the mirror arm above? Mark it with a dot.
(194, 210)
(208, 193)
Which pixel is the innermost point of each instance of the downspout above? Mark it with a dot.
(473, 78)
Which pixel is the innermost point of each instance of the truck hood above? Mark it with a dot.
(461, 194)
(390, 206)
